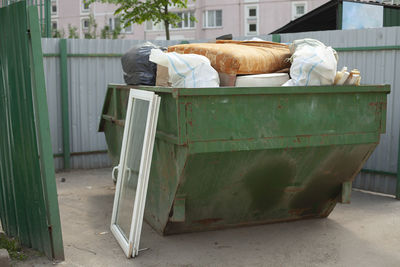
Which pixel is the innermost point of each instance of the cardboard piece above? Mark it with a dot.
(227, 79)
(162, 78)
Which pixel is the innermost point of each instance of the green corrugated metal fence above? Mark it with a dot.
(44, 13)
(391, 17)
(28, 194)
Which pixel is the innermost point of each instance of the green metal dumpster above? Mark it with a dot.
(227, 157)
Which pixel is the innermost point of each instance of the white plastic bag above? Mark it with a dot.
(313, 63)
(186, 70)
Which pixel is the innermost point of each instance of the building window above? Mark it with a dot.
(151, 26)
(212, 18)
(298, 9)
(55, 33)
(127, 29)
(53, 7)
(115, 23)
(252, 12)
(85, 24)
(84, 6)
(186, 22)
(251, 19)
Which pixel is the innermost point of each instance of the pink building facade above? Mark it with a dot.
(214, 18)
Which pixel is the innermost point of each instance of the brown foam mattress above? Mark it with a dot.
(240, 57)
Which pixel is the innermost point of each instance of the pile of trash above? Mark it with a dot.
(305, 62)
(138, 70)
(313, 63)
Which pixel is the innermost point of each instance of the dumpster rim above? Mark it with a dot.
(220, 91)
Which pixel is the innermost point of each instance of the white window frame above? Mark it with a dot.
(123, 29)
(131, 246)
(51, 8)
(54, 21)
(294, 9)
(83, 10)
(251, 19)
(160, 26)
(248, 8)
(83, 25)
(154, 27)
(251, 33)
(126, 31)
(205, 19)
(189, 13)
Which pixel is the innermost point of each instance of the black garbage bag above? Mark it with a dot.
(138, 70)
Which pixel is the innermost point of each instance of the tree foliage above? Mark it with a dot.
(58, 33)
(139, 11)
(91, 31)
(72, 32)
(108, 33)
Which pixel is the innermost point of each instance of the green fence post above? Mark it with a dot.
(276, 38)
(65, 102)
(47, 18)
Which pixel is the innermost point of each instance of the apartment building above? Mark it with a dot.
(214, 18)
(78, 18)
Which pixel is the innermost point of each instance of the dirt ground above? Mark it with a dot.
(364, 233)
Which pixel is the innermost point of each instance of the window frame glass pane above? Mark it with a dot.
(84, 6)
(185, 19)
(300, 8)
(192, 23)
(54, 8)
(250, 12)
(211, 18)
(84, 21)
(218, 18)
(129, 242)
(296, 6)
(52, 25)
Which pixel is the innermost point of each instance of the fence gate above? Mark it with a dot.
(28, 194)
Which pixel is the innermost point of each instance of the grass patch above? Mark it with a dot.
(13, 247)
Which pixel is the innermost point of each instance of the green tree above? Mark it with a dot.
(72, 32)
(108, 33)
(112, 33)
(116, 32)
(58, 33)
(91, 32)
(139, 11)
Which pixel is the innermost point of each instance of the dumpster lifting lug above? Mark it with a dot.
(346, 192)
